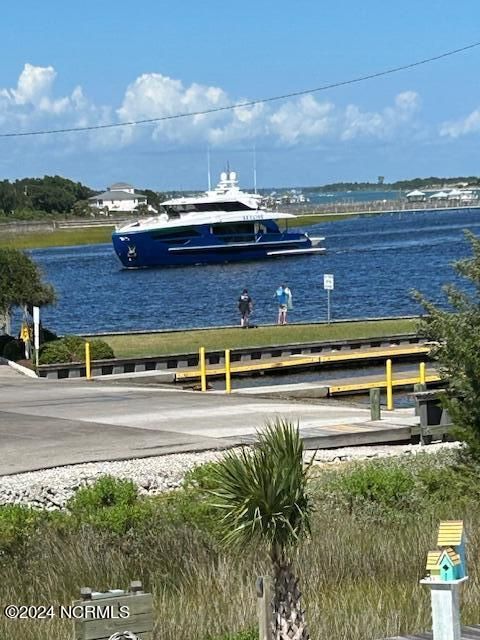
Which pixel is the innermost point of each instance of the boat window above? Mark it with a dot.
(235, 231)
(175, 235)
(232, 228)
(225, 206)
(175, 210)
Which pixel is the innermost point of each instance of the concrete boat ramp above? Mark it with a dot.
(49, 423)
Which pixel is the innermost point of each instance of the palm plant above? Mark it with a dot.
(263, 497)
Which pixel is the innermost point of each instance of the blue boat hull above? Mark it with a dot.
(140, 250)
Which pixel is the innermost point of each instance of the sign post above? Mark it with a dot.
(36, 333)
(328, 285)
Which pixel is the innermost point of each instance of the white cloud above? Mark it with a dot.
(382, 124)
(462, 127)
(302, 120)
(33, 104)
(153, 95)
(34, 84)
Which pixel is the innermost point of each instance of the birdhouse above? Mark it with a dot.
(433, 566)
(446, 572)
(448, 561)
(451, 534)
(450, 565)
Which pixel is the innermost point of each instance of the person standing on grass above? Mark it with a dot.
(283, 296)
(245, 306)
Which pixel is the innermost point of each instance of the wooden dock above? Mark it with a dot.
(361, 384)
(301, 361)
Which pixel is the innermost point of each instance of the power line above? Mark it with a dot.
(250, 103)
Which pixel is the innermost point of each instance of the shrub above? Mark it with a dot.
(4, 339)
(17, 525)
(384, 485)
(72, 349)
(13, 351)
(201, 477)
(47, 336)
(106, 492)
(111, 504)
(100, 350)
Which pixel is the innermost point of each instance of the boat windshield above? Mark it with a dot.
(176, 210)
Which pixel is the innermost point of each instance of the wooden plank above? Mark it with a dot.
(299, 360)
(365, 385)
(378, 436)
(432, 430)
(375, 352)
(100, 629)
(93, 627)
(136, 603)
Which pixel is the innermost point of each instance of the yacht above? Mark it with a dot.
(225, 224)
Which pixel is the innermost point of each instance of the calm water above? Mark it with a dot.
(376, 260)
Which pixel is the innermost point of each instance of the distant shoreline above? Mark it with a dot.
(22, 234)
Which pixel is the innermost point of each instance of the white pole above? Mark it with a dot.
(328, 306)
(254, 169)
(208, 169)
(36, 332)
(445, 599)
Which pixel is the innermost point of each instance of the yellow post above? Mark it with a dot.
(389, 386)
(203, 369)
(88, 370)
(228, 379)
(423, 376)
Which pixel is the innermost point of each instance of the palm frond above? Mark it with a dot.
(262, 494)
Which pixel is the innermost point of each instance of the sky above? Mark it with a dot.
(72, 64)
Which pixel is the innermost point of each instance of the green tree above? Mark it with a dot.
(154, 198)
(456, 334)
(8, 199)
(142, 209)
(263, 500)
(21, 283)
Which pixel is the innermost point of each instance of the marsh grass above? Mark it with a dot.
(359, 572)
(58, 238)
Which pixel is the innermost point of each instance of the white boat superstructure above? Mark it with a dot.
(221, 225)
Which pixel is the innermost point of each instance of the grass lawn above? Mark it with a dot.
(58, 238)
(150, 344)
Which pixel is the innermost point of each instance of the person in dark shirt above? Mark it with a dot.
(245, 306)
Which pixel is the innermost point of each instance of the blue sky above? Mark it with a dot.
(67, 64)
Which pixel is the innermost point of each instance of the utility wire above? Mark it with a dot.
(250, 103)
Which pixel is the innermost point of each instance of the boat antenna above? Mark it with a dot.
(208, 169)
(254, 168)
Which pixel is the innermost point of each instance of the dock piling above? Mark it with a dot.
(375, 413)
(228, 377)
(88, 369)
(203, 369)
(422, 373)
(389, 385)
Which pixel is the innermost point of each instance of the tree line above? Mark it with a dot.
(30, 198)
(400, 185)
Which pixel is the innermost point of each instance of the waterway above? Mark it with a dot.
(377, 261)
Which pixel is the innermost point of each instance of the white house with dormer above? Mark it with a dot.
(119, 197)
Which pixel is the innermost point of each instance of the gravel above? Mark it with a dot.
(50, 489)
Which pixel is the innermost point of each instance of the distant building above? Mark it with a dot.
(119, 197)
